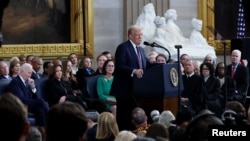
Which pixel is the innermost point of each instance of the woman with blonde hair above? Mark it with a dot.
(107, 128)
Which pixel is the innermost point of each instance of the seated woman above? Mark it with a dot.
(60, 90)
(104, 85)
(211, 88)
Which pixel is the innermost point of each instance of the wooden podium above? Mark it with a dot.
(158, 89)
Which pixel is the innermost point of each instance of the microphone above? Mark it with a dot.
(148, 44)
(159, 46)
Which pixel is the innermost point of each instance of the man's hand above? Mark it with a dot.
(138, 73)
(31, 83)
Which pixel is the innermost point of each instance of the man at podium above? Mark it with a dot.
(130, 61)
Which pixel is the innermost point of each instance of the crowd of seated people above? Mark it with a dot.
(204, 90)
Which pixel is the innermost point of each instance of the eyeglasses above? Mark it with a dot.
(205, 69)
(111, 66)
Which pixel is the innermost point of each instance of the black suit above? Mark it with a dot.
(122, 88)
(81, 75)
(192, 91)
(4, 77)
(36, 75)
(36, 105)
(91, 133)
(241, 79)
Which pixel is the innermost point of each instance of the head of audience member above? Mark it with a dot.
(166, 117)
(157, 130)
(239, 116)
(206, 69)
(155, 114)
(66, 67)
(108, 67)
(107, 54)
(14, 68)
(135, 34)
(4, 68)
(86, 62)
(100, 61)
(22, 59)
(235, 56)
(14, 58)
(125, 135)
(26, 71)
(34, 134)
(29, 58)
(13, 119)
(37, 63)
(73, 58)
(47, 68)
(183, 58)
(57, 61)
(56, 72)
(92, 117)
(152, 56)
(107, 126)
(197, 129)
(197, 65)
(209, 58)
(66, 122)
(183, 117)
(161, 59)
(139, 117)
(220, 70)
(188, 67)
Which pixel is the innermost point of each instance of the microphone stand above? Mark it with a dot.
(179, 74)
(159, 46)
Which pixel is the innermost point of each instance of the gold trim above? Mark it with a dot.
(50, 51)
(206, 14)
(174, 77)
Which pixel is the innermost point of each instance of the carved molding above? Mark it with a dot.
(49, 51)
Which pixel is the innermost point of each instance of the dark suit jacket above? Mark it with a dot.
(241, 78)
(34, 75)
(125, 61)
(3, 77)
(91, 133)
(81, 75)
(29, 98)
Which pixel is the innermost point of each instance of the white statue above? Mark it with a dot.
(175, 35)
(146, 21)
(164, 31)
(161, 36)
(196, 38)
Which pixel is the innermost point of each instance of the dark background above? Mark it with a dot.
(226, 14)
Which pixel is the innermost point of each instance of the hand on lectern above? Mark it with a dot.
(138, 72)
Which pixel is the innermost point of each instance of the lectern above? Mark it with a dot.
(158, 88)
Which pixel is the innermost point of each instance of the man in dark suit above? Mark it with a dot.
(24, 87)
(37, 64)
(4, 70)
(129, 63)
(240, 75)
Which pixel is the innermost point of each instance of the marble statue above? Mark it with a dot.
(164, 31)
(146, 21)
(196, 38)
